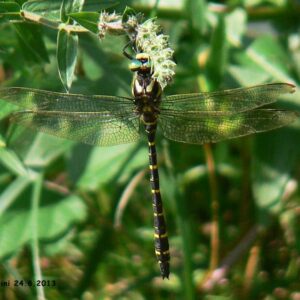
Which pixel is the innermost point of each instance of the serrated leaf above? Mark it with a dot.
(31, 42)
(88, 20)
(67, 46)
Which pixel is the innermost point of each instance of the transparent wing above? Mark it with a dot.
(207, 127)
(235, 100)
(94, 120)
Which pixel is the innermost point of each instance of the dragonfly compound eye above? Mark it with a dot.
(135, 65)
(143, 57)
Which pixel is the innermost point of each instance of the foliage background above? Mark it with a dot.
(59, 200)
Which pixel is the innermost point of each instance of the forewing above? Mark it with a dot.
(211, 127)
(94, 120)
(234, 100)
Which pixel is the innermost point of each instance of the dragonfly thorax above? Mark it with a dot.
(145, 89)
(147, 94)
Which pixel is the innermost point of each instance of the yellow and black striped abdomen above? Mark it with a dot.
(161, 241)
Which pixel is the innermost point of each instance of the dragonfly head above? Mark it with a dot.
(141, 63)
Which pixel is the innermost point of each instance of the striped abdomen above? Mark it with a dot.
(161, 242)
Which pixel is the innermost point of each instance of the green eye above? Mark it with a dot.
(135, 65)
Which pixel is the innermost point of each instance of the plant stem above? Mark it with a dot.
(36, 195)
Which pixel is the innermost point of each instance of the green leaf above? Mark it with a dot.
(31, 42)
(9, 7)
(248, 75)
(268, 54)
(235, 33)
(197, 10)
(96, 5)
(13, 191)
(108, 164)
(49, 9)
(67, 46)
(275, 155)
(44, 149)
(10, 10)
(70, 6)
(2, 141)
(217, 56)
(88, 20)
(6, 109)
(55, 216)
(9, 159)
(128, 12)
(36, 149)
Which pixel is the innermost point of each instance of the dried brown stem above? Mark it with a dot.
(126, 196)
(214, 242)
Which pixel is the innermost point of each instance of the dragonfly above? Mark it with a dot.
(195, 118)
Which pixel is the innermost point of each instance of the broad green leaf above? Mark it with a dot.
(293, 44)
(2, 141)
(197, 10)
(9, 6)
(9, 159)
(267, 53)
(235, 33)
(88, 20)
(96, 5)
(12, 192)
(21, 2)
(248, 75)
(31, 42)
(55, 216)
(45, 149)
(49, 9)
(217, 59)
(67, 46)
(70, 6)
(6, 109)
(37, 149)
(10, 10)
(275, 155)
(249, 3)
(108, 164)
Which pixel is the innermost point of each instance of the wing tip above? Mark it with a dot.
(289, 116)
(283, 87)
(291, 88)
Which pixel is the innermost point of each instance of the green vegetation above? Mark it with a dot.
(80, 217)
